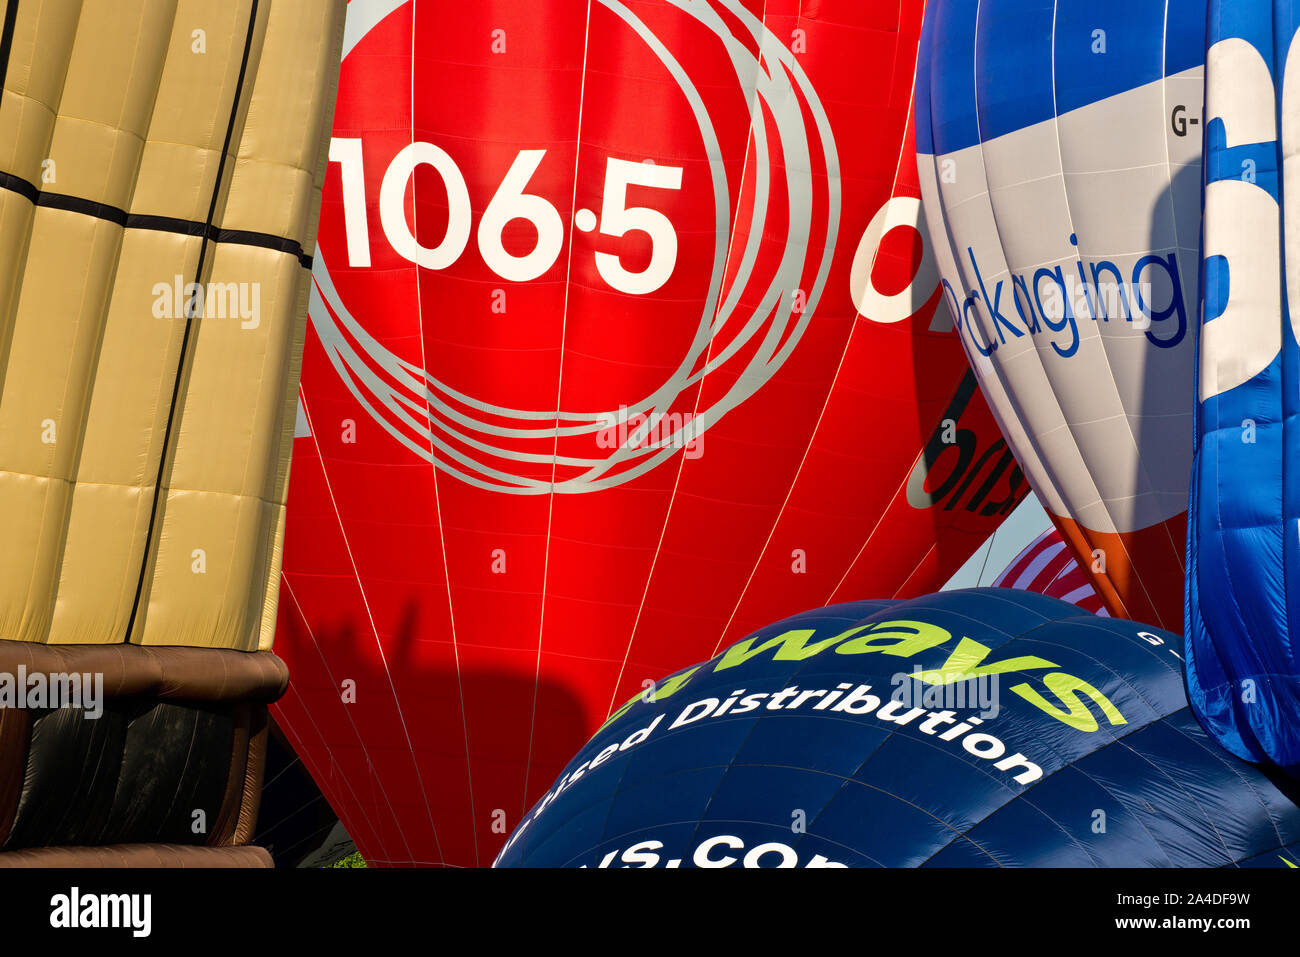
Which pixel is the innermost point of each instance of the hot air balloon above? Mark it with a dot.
(1047, 566)
(160, 170)
(1243, 597)
(971, 728)
(623, 341)
(1059, 150)
(294, 821)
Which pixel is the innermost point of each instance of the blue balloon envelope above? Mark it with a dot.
(1059, 161)
(984, 727)
(1243, 551)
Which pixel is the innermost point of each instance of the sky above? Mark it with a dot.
(1022, 526)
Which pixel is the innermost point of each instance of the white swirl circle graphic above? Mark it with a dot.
(478, 442)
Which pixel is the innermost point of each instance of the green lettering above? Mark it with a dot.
(670, 687)
(900, 638)
(964, 664)
(790, 646)
(1078, 716)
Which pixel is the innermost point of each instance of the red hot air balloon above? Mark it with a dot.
(623, 343)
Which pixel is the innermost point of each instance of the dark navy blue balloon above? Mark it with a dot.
(985, 727)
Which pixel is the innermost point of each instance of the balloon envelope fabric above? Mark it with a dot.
(161, 165)
(1059, 152)
(1047, 567)
(668, 368)
(1243, 549)
(982, 727)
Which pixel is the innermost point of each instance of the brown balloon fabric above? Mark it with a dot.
(161, 163)
(139, 855)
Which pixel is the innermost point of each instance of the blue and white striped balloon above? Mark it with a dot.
(1059, 150)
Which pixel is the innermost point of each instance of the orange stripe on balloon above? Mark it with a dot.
(1128, 587)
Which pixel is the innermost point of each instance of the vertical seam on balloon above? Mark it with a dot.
(848, 571)
(908, 155)
(1180, 553)
(1232, 765)
(7, 40)
(847, 779)
(6, 48)
(1065, 192)
(851, 778)
(1013, 406)
(812, 438)
(1031, 437)
(831, 159)
(1287, 648)
(185, 355)
(315, 770)
(830, 392)
(1067, 764)
(867, 541)
(1060, 571)
(53, 576)
(555, 442)
(1241, 726)
(906, 582)
(1016, 407)
(911, 106)
(1046, 559)
(979, 579)
(1176, 783)
(699, 389)
(606, 838)
(1084, 531)
(1196, 624)
(19, 266)
(1024, 797)
(987, 547)
(361, 589)
(704, 812)
(347, 782)
(127, 221)
(1016, 569)
(437, 507)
